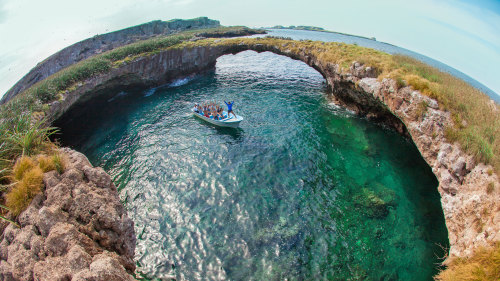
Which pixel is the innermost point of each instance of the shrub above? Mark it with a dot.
(484, 264)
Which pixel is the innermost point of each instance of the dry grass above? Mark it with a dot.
(46, 163)
(51, 162)
(20, 195)
(484, 264)
(22, 165)
(27, 179)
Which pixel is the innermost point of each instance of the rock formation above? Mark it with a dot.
(102, 43)
(76, 230)
(472, 213)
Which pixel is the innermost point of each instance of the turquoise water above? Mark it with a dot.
(304, 190)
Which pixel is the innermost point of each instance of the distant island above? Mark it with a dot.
(314, 28)
(299, 27)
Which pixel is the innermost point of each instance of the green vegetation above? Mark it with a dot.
(21, 136)
(484, 264)
(422, 109)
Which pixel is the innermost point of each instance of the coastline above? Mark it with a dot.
(462, 180)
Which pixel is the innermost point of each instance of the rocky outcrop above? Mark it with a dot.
(102, 43)
(471, 209)
(76, 230)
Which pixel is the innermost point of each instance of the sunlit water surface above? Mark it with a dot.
(304, 190)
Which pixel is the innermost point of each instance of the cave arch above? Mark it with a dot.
(356, 88)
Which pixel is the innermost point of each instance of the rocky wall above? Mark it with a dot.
(77, 229)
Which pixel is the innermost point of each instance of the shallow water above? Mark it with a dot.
(303, 190)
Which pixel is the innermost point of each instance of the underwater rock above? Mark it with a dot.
(375, 201)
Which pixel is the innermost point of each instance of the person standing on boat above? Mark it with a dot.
(230, 108)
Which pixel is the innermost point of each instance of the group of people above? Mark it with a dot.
(213, 110)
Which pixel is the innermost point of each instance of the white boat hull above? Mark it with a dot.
(230, 122)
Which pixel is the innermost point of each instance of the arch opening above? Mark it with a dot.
(265, 199)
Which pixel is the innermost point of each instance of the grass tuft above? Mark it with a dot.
(490, 188)
(46, 163)
(22, 165)
(59, 163)
(20, 196)
(484, 264)
(422, 110)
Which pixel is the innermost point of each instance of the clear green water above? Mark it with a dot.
(302, 191)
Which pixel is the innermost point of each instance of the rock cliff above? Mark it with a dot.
(472, 212)
(76, 230)
(102, 43)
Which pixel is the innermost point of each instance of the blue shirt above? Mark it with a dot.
(229, 106)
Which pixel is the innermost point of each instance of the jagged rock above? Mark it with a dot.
(103, 267)
(29, 216)
(446, 181)
(6, 271)
(375, 200)
(76, 230)
(459, 167)
(63, 267)
(443, 152)
(98, 176)
(51, 179)
(48, 217)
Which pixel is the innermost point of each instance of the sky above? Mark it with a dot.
(465, 34)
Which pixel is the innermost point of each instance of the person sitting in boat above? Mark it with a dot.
(222, 113)
(230, 108)
(214, 115)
